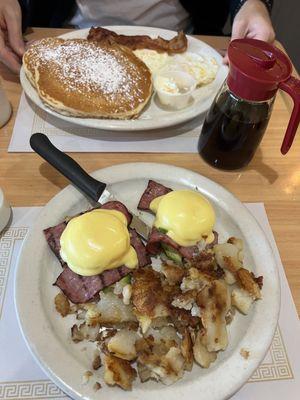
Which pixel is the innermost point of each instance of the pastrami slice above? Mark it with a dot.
(153, 190)
(53, 235)
(80, 289)
(136, 242)
(157, 238)
(118, 206)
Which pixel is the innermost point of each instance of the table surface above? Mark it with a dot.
(270, 178)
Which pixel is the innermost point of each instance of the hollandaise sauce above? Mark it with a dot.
(96, 241)
(185, 215)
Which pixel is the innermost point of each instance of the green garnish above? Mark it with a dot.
(172, 254)
(126, 280)
(163, 230)
(108, 289)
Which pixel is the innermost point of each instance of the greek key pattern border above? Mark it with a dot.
(29, 390)
(279, 368)
(7, 240)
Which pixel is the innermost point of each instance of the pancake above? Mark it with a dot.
(32, 55)
(82, 78)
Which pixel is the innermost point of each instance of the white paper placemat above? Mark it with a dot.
(181, 138)
(277, 378)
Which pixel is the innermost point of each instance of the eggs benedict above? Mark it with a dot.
(185, 216)
(96, 241)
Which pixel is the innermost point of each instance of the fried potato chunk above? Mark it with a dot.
(62, 304)
(227, 256)
(185, 300)
(148, 295)
(187, 350)
(196, 280)
(229, 277)
(173, 273)
(202, 356)
(118, 372)
(246, 281)
(109, 310)
(242, 300)
(122, 344)
(84, 332)
(214, 303)
(166, 369)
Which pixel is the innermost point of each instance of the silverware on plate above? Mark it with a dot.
(68, 167)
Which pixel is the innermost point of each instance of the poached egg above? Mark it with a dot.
(185, 216)
(96, 241)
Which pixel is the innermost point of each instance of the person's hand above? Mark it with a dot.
(11, 42)
(252, 21)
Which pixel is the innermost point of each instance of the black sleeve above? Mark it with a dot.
(207, 17)
(25, 14)
(46, 13)
(235, 6)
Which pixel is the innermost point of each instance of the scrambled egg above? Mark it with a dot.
(154, 60)
(203, 68)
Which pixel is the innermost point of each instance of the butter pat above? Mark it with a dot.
(167, 84)
(174, 88)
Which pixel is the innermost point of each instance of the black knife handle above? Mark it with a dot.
(68, 167)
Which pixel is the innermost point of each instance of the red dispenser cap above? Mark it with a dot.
(256, 71)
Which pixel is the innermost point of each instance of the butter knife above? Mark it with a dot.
(68, 167)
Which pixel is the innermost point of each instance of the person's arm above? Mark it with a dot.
(251, 18)
(11, 41)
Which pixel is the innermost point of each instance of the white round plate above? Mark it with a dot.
(153, 117)
(48, 334)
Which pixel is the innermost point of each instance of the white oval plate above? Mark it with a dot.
(153, 117)
(48, 334)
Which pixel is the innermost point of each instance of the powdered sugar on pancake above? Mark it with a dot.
(88, 79)
(90, 67)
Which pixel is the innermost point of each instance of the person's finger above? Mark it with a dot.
(29, 43)
(226, 59)
(264, 33)
(239, 29)
(10, 59)
(222, 52)
(14, 29)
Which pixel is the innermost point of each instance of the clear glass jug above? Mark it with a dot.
(233, 129)
(239, 115)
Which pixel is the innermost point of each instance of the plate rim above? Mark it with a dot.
(134, 125)
(71, 191)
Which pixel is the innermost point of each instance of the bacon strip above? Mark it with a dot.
(178, 44)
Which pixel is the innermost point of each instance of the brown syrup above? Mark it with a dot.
(232, 131)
